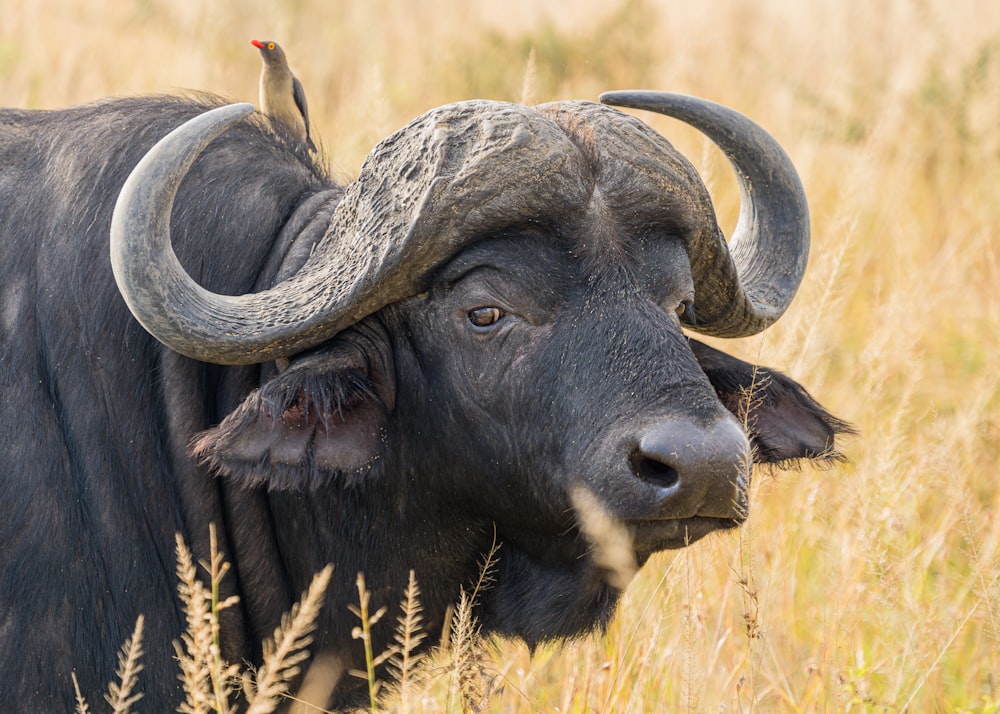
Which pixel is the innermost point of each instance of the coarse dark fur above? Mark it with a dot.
(408, 441)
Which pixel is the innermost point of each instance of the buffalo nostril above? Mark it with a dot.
(654, 471)
(698, 468)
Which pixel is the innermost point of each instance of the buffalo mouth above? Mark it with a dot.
(625, 529)
(572, 586)
(649, 537)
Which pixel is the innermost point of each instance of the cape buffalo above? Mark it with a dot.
(384, 375)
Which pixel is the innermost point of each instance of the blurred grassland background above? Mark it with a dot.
(869, 587)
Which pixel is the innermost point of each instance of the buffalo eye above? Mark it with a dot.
(483, 317)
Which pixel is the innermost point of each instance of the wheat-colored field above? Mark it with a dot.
(873, 586)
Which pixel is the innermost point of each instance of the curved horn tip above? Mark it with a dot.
(667, 103)
(199, 131)
(236, 109)
(635, 98)
(619, 95)
(228, 113)
(204, 127)
(770, 244)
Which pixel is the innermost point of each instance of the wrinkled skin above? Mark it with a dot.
(595, 360)
(540, 359)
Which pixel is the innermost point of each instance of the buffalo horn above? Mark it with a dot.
(422, 195)
(741, 291)
(224, 329)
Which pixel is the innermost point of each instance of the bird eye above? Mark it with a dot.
(270, 45)
(482, 317)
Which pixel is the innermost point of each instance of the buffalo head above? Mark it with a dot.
(491, 323)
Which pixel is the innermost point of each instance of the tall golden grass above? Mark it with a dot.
(870, 587)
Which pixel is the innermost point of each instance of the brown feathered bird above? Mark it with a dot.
(281, 95)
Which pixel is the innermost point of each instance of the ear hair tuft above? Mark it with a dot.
(298, 432)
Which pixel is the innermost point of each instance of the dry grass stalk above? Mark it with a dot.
(745, 581)
(364, 633)
(120, 695)
(689, 639)
(487, 568)
(987, 574)
(610, 540)
(405, 665)
(320, 680)
(639, 635)
(81, 703)
(208, 679)
(471, 682)
(285, 652)
(528, 81)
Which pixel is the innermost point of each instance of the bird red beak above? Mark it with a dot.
(257, 43)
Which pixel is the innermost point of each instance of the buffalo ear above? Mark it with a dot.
(783, 422)
(321, 418)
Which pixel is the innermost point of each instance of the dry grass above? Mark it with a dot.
(125, 692)
(212, 685)
(871, 587)
(285, 653)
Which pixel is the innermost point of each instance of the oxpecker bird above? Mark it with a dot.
(281, 95)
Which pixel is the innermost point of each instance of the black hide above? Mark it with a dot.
(544, 358)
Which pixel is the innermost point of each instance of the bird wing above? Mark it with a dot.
(299, 95)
